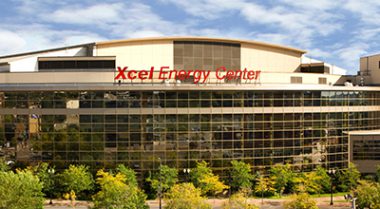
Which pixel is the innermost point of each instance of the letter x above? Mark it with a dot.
(121, 73)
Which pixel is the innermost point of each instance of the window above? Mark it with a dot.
(295, 79)
(76, 65)
(322, 80)
(379, 64)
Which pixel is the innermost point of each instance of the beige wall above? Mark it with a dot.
(369, 67)
(269, 59)
(139, 55)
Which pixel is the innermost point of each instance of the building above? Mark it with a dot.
(178, 100)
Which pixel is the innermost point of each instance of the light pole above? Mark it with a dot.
(186, 171)
(159, 187)
(331, 173)
(51, 172)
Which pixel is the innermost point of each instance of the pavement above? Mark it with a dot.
(322, 202)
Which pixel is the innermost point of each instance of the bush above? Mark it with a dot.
(241, 175)
(116, 194)
(301, 201)
(368, 195)
(20, 190)
(129, 174)
(239, 201)
(204, 179)
(185, 196)
(164, 179)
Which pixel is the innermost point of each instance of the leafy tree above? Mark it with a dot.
(323, 180)
(264, 186)
(3, 165)
(239, 200)
(164, 179)
(241, 175)
(378, 173)
(185, 196)
(115, 193)
(20, 190)
(348, 178)
(308, 182)
(129, 174)
(47, 176)
(368, 195)
(204, 179)
(301, 201)
(282, 176)
(75, 180)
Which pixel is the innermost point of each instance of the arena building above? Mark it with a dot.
(179, 100)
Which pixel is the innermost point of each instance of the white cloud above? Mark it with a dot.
(10, 41)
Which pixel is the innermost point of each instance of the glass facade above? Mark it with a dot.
(104, 128)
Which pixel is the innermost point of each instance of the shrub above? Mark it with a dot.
(301, 201)
(368, 195)
(185, 196)
(239, 201)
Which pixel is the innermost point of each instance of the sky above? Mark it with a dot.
(335, 31)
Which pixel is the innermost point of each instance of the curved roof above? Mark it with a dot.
(198, 38)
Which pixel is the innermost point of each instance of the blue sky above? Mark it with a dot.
(336, 31)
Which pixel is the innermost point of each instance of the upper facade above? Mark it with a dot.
(204, 61)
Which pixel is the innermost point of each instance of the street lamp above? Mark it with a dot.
(186, 171)
(159, 190)
(51, 172)
(331, 173)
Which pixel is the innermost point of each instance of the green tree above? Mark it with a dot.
(129, 174)
(301, 201)
(3, 165)
(239, 200)
(185, 196)
(164, 179)
(378, 173)
(308, 182)
(115, 193)
(264, 186)
(47, 176)
(323, 180)
(368, 195)
(75, 180)
(283, 177)
(204, 179)
(20, 190)
(241, 175)
(348, 178)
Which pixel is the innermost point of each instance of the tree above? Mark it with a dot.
(264, 186)
(368, 195)
(378, 173)
(20, 190)
(185, 196)
(47, 176)
(308, 182)
(204, 179)
(3, 165)
(283, 177)
(75, 180)
(348, 178)
(241, 175)
(115, 193)
(301, 201)
(164, 179)
(239, 200)
(129, 174)
(323, 180)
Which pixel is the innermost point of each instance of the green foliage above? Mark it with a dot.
(308, 182)
(164, 179)
(239, 200)
(185, 196)
(368, 195)
(115, 193)
(3, 165)
(47, 176)
(324, 180)
(301, 201)
(204, 179)
(283, 177)
(129, 174)
(241, 175)
(264, 186)
(77, 179)
(378, 173)
(20, 190)
(348, 179)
